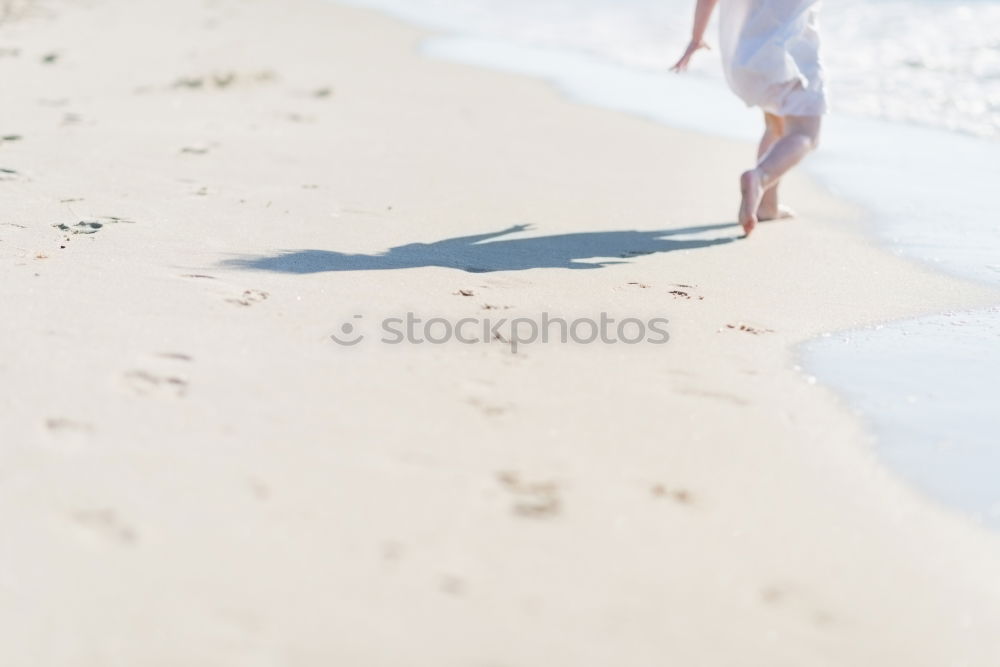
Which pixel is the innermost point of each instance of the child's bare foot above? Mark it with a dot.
(752, 190)
(774, 212)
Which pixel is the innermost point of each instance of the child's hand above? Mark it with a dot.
(692, 47)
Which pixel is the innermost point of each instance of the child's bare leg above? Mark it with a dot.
(770, 209)
(801, 136)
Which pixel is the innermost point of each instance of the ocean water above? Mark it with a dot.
(913, 138)
(933, 62)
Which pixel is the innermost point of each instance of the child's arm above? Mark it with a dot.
(702, 14)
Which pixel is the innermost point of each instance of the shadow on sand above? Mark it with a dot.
(480, 254)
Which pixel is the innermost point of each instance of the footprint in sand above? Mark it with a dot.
(532, 500)
(680, 496)
(259, 489)
(392, 551)
(786, 597)
(106, 524)
(249, 297)
(91, 226)
(299, 118)
(452, 585)
(489, 409)
(175, 356)
(685, 292)
(196, 150)
(63, 425)
(166, 383)
(69, 433)
(223, 80)
(144, 383)
(746, 328)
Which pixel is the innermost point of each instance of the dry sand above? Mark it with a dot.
(193, 473)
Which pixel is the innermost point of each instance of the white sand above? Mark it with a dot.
(194, 474)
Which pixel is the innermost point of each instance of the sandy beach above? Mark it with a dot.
(197, 195)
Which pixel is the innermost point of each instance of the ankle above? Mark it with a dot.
(765, 179)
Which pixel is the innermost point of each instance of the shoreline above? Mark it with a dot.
(901, 215)
(190, 445)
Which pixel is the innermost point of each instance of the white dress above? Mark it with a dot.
(770, 53)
